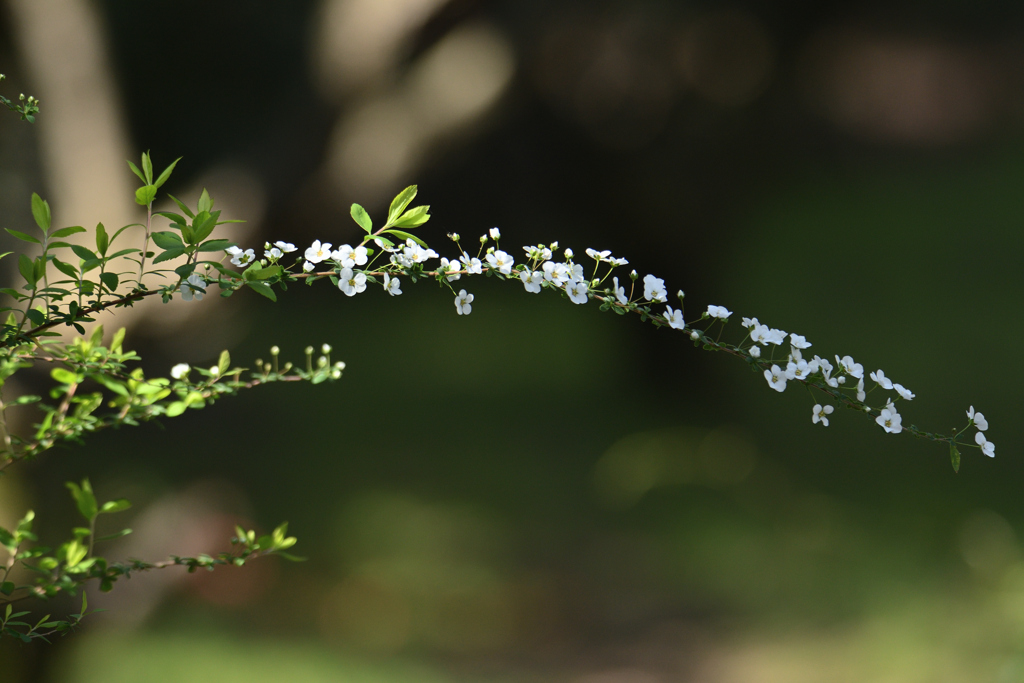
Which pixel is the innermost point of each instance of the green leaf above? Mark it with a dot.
(136, 171)
(75, 552)
(110, 280)
(406, 236)
(64, 376)
(145, 195)
(224, 362)
(65, 268)
(954, 457)
(167, 173)
(7, 587)
(167, 240)
(111, 537)
(64, 232)
(115, 343)
(403, 200)
(41, 212)
(184, 271)
(36, 316)
(102, 241)
(168, 255)
(22, 236)
(115, 505)
(112, 384)
(255, 272)
(360, 216)
(202, 226)
(413, 218)
(175, 409)
(205, 201)
(264, 289)
(121, 253)
(83, 253)
(84, 499)
(27, 269)
(147, 167)
(181, 205)
(216, 245)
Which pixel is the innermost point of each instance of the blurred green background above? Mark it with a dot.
(539, 492)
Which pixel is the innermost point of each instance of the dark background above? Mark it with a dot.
(540, 491)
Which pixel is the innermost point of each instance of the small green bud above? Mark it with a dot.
(568, 253)
(287, 367)
(453, 236)
(310, 350)
(633, 276)
(267, 367)
(340, 365)
(483, 239)
(321, 362)
(274, 350)
(326, 349)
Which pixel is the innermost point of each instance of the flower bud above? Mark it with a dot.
(695, 335)
(483, 239)
(633, 276)
(495, 234)
(568, 253)
(680, 295)
(453, 236)
(335, 374)
(274, 350)
(287, 367)
(340, 365)
(309, 350)
(321, 362)
(326, 349)
(214, 370)
(267, 368)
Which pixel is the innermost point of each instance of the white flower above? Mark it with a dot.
(799, 342)
(194, 286)
(307, 266)
(599, 255)
(890, 420)
(720, 312)
(286, 247)
(800, 370)
(451, 267)
(239, 257)
(532, 280)
(347, 257)
(776, 378)
(620, 292)
(850, 367)
(391, 285)
(180, 371)
(903, 391)
(820, 413)
(556, 273)
(749, 323)
(495, 234)
(462, 303)
(987, 447)
(860, 390)
(776, 336)
(350, 283)
(619, 262)
(826, 372)
(473, 265)
(273, 253)
(318, 252)
(880, 379)
(577, 290)
(414, 253)
(674, 318)
(538, 253)
(500, 261)
(755, 351)
(978, 418)
(654, 289)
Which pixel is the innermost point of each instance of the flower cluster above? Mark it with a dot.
(544, 267)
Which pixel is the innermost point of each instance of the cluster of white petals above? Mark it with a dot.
(842, 381)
